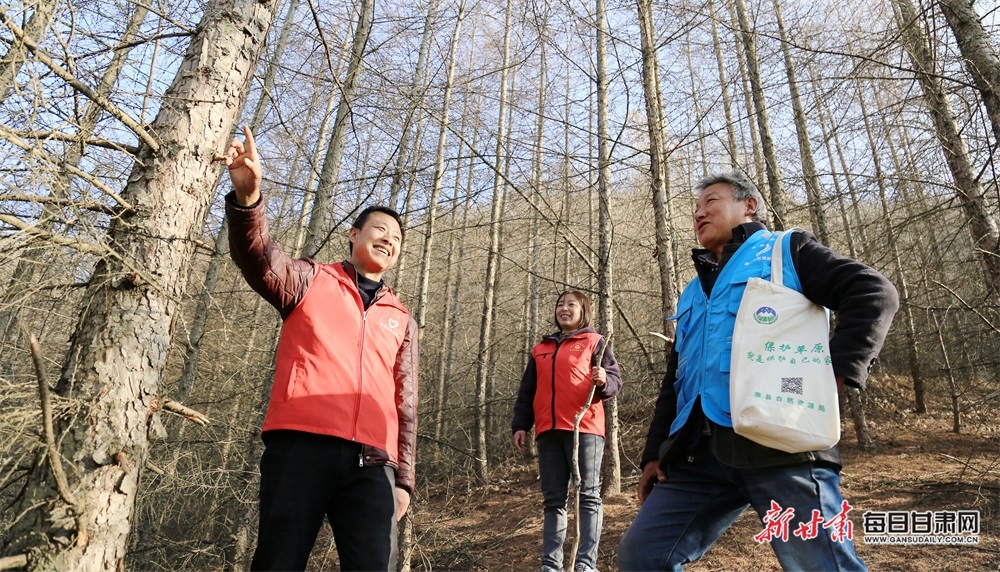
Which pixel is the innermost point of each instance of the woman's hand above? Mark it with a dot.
(520, 440)
(599, 375)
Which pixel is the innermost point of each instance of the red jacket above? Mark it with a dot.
(341, 370)
(557, 381)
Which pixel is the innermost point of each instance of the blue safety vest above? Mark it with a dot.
(704, 338)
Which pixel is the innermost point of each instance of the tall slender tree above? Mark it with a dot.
(118, 350)
(906, 304)
(329, 177)
(809, 173)
(978, 53)
(492, 259)
(776, 192)
(983, 228)
(425, 261)
(658, 165)
(727, 100)
(612, 482)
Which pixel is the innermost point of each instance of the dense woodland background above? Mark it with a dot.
(531, 145)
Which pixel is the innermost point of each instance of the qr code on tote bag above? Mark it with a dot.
(791, 385)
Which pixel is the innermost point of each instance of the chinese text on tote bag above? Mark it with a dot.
(782, 390)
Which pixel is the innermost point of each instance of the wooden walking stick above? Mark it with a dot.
(576, 457)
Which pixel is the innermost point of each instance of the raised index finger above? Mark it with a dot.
(251, 144)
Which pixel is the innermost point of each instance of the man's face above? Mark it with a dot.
(375, 246)
(717, 213)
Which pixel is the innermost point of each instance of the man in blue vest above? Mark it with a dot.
(698, 474)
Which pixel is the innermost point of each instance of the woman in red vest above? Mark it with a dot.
(561, 370)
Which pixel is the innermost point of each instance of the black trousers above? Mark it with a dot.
(303, 477)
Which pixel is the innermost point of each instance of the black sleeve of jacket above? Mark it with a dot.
(663, 415)
(613, 382)
(524, 407)
(864, 299)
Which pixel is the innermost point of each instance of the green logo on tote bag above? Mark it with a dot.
(765, 315)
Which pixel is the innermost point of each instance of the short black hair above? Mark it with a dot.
(359, 223)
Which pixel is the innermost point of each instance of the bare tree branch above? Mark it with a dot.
(87, 206)
(35, 151)
(75, 138)
(78, 85)
(55, 458)
(58, 239)
(185, 412)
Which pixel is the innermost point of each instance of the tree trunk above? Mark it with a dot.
(453, 292)
(659, 173)
(537, 168)
(318, 231)
(561, 272)
(493, 421)
(906, 304)
(416, 100)
(845, 220)
(196, 334)
(13, 60)
(486, 324)
(118, 351)
(978, 54)
(985, 236)
(856, 405)
(698, 115)
(956, 411)
(741, 60)
(727, 101)
(775, 191)
(802, 132)
(425, 261)
(407, 208)
(612, 483)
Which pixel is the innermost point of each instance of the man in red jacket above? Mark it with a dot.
(341, 425)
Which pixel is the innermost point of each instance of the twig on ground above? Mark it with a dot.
(18, 561)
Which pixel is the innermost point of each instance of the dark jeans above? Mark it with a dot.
(684, 516)
(555, 469)
(304, 477)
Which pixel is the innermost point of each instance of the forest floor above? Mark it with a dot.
(920, 465)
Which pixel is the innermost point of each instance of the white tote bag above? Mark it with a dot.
(782, 390)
